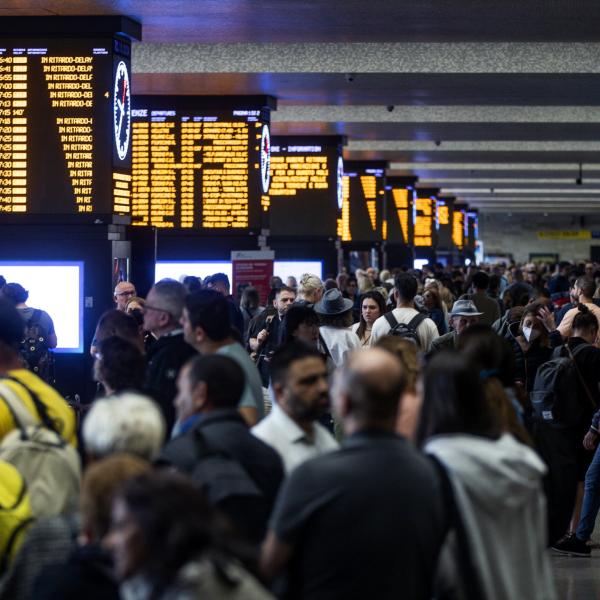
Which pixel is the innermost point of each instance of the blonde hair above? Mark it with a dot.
(308, 286)
(407, 353)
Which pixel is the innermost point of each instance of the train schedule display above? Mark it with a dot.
(65, 127)
(200, 162)
(363, 202)
(306, 185)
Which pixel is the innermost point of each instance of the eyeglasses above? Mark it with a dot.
(126, 293)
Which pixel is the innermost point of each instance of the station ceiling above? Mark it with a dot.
(494, 102)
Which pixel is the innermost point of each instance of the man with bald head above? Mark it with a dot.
(124, 292)
(367, 517)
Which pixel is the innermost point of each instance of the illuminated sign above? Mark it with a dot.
(64, 125)
(423, 233)
(399, 200)
(458, 228)
(305, 185)
(363, 201)
(200, 162)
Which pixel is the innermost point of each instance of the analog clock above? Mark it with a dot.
(122, 110)
(265, 159)
(340, 182)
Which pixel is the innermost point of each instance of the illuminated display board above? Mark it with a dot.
(458, 227)
(472, 229)
(65, 129)
(363, 201)
(445, 215)
(399, 209)
(200, 162)
(424, 216)
(306, 185)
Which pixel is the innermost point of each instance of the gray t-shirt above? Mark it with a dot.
(46, 324)
(253, 395)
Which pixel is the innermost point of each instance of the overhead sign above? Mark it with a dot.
(575, 234)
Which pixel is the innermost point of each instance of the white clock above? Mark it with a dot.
(265, 159)
(122, 110)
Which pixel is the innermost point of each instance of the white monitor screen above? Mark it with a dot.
(282, 268)
(57, 288)
(419, 263)
(297, 268)
(179, 269)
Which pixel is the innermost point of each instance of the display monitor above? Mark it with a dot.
(179, 269)
(363, 201)
(57, 288)
(424, 217)
(400, 196)
(282, 268)
(65, 126)
(306, 185)
(201, 162)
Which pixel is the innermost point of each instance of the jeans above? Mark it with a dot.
(591, 499)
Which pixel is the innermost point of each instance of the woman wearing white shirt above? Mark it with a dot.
(335, 316)
(372, 306)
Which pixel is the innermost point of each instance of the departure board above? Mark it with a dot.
(424, 216)
(200, 162)
(363, 201)
(472, 229)
(399, 203)
(64, 124)
(458, 227)
(445, 211)
(306, 190)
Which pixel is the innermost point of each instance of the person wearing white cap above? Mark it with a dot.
(335, 316)
(464, 313)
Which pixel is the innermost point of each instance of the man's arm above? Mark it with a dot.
(274, 556)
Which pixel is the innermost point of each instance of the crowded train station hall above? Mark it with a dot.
(299, 300)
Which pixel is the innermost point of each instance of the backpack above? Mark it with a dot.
(34, 347)
(407, 331)
(49, 464)
(555, 396)
(223, 480)
(15, 513)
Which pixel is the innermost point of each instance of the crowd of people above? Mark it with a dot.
(411, 433)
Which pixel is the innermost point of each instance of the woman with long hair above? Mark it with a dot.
(492, 487)
(372, 306)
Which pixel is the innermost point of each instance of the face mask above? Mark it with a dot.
(530, 334)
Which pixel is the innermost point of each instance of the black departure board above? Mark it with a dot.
(363, 202)
(201, 162)
(399, 211)
(305, 196)
(472, 229)
(424, 217)
(65, 130)
(459, 224)
(445, 212)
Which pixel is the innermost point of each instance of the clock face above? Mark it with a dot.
(122, 110)
(340, 182)
(265, 159)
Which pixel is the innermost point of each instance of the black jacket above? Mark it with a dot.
(227, 431)
(165, 358)
(527, 363)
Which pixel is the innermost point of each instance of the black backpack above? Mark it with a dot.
(555, 396)
(224, 481)
(34, 348)
(407, 331)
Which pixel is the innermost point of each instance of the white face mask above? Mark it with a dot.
(530, 334)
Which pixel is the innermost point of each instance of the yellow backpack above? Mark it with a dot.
(15, 513)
